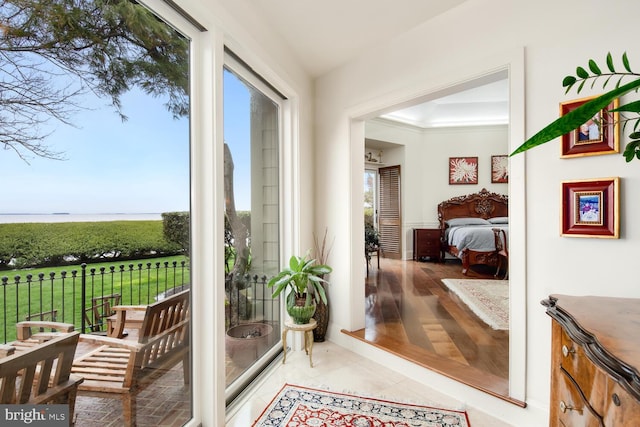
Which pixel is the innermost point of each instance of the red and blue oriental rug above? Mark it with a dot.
(297, 406)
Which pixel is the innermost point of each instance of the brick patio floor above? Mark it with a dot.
(167, 402)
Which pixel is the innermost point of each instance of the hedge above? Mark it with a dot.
(54, 244)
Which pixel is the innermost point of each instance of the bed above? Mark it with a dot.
(467, 225)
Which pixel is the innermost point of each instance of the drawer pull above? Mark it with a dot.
(566, 351)
(616, 399)
(564, 407)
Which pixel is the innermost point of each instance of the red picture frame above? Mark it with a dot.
(590, 208)
(499, 169)
(463, 170)
(599, 135)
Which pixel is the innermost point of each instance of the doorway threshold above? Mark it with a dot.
(470, 376)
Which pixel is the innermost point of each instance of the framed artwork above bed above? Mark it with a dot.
(499, 169)
(463, 170)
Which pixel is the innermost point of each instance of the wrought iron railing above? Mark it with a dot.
(67, 296)
(249, 300)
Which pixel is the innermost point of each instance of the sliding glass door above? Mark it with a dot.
(252, 239)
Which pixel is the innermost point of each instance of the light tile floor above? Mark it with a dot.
(340, 370)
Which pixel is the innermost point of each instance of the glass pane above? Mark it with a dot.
(251, 176)
(99, 163)
(370, 197)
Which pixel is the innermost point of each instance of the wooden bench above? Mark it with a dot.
(41, 373)
(29, 333)
(121, 368)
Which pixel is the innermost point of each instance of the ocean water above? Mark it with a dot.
(18, 218)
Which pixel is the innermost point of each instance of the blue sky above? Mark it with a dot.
(137, 166)
(237, 136)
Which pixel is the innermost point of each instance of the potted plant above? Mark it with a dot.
(321, 315)
(371, 238)
(303, 281)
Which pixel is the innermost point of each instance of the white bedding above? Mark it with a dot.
(475, 237)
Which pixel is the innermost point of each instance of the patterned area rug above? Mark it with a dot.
(307, 407)
(488, 299)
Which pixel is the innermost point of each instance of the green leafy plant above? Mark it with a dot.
(371, 237)
(303, 277)
(572, 120)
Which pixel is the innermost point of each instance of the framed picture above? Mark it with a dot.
(599, 135)
(590, 208)
(463, 170)
(499, 169)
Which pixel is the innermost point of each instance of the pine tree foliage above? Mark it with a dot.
(54, 51)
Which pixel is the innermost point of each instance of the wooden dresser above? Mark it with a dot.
(426, 243)
(595, 357)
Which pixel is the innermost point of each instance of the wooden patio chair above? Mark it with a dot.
(101, 308)
(121, 368)
(41, 374)
(30, 334)
(45, 316)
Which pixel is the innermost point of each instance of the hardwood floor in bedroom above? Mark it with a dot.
(413, 315)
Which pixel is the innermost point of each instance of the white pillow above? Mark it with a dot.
(499, 220)
(455, 222)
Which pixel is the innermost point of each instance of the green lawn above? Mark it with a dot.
(137, 285)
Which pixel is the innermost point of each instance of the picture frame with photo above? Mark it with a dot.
(463, 170)
(598, 135)
(590, 208)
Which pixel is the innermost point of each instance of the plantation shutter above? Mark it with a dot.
(389, 221)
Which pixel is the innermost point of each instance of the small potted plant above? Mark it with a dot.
(303, 279)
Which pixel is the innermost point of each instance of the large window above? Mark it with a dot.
(252, 243)
(95, 109)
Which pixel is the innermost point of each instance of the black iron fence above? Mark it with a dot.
(84, 296)
(248, 299)
(77, 296)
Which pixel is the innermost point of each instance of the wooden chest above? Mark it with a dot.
(594, 361)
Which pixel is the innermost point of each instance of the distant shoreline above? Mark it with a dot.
(14, 218)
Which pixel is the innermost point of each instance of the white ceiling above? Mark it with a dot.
(326, 34)
(484, 105)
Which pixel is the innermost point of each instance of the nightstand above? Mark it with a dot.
(426, 244)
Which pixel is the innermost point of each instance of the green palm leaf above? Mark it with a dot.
(575, 118)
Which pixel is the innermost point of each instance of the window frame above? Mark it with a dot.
(244, 72)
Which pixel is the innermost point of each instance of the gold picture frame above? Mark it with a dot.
(599, 135)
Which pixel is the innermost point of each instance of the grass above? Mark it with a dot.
(60, 288)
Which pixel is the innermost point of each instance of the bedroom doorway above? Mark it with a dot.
(514, 352)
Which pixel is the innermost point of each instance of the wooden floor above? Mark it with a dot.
(410, 313)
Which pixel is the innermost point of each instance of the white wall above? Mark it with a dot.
(556, 37)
